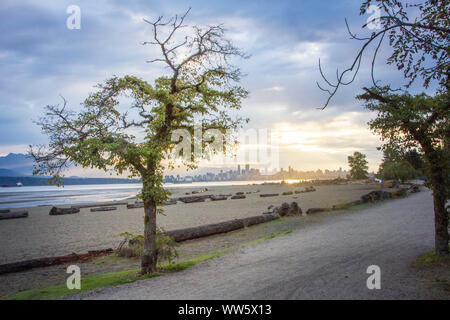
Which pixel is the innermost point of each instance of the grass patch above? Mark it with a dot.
(87, 283)
(123, 277)
(183, 265)
(265, 238)
(436, 269)
(431, 259)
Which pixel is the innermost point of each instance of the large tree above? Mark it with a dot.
(418, 34)
(420, 122)
(358, 165)
(201, 84)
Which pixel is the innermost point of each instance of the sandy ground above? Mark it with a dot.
(43, 277)
(328, 260)
(42, 235)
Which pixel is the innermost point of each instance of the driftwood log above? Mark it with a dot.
(217, 228)
(193, 199)
(5, 210)
(269, 195)
(287, 193)
(315, 210)
(61, 211)
(238, 196)
(135, 205)
(51, 261)
(109, 204)
(103, 209)
(13, 215)
(219, 198)
(346, 205)
(375, 196)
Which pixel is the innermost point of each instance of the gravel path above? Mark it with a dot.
(325, 261)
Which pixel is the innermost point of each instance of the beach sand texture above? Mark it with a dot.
(41, 235)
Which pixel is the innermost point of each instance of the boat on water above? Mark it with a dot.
(17, 185)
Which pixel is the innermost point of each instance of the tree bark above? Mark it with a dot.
(440, 215)
(150, 254)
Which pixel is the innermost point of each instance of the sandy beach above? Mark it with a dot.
(42, 235)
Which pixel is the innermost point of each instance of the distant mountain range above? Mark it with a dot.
(16, 165)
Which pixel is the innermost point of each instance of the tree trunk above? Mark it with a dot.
(440, 215)
(149, 255)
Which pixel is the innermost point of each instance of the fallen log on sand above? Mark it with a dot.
(216, 228)
(238, 196)
(135, 205)
(109, 204)
(219, 198)
(13, 215)
(5, 210)
(269, 195)
(103, 209)
(51, 261)
(193, 199)
(316, 210)
(61, 211)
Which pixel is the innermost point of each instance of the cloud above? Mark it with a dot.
(43, 59)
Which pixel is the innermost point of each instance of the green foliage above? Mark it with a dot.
(358, 166)
(132, 245)
(419, 122)
(397, 170)
(399, 165)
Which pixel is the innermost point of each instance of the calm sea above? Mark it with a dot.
(52, 195)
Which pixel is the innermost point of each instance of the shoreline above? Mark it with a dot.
(42, 235)
(43, 195)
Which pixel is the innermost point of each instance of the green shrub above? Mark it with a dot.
(132, 246)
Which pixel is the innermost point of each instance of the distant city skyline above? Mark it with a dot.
(249, 174)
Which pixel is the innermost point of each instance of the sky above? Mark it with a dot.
(41, 59)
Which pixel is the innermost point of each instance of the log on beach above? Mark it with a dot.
(62, 211)
(216, 228)
(219, 198)
(109, 204)
(135, 205)
(193, 199)
(5, 211)
(315, 210)
(51, 261)
(269, 195)
(238, 196)
(13, 215)
(103, 209)
(170, 202)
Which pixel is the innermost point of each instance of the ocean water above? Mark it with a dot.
(73, 194)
